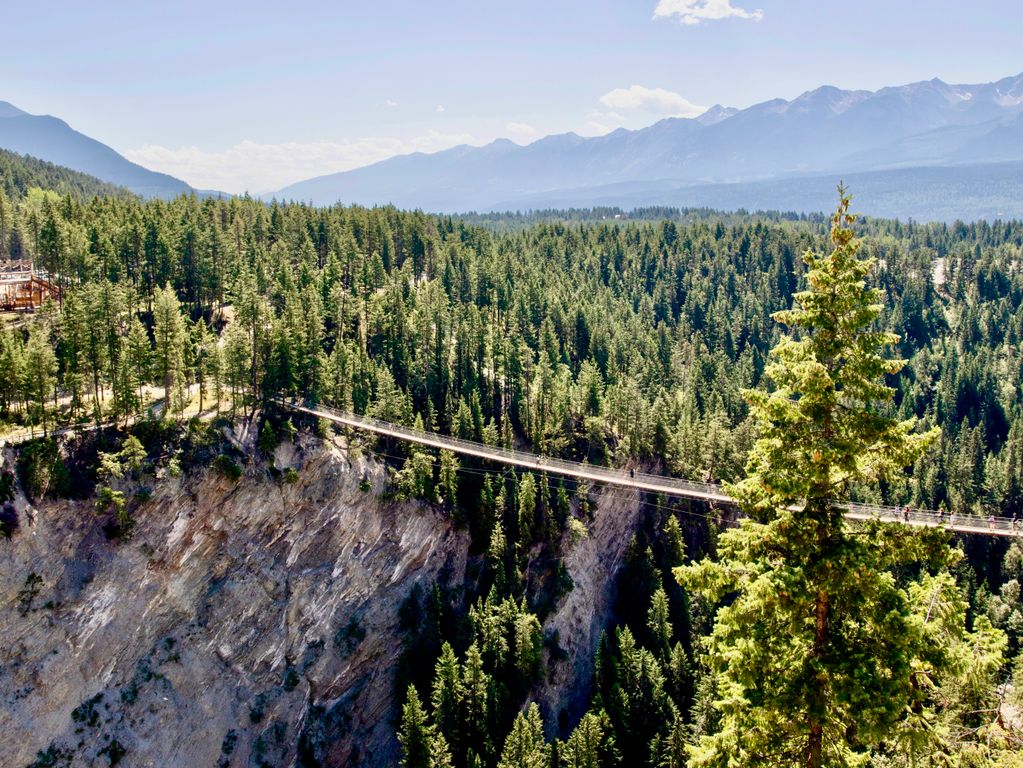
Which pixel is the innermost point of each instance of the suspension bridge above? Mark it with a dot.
(659, 484)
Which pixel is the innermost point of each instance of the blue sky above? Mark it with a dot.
(253, 95)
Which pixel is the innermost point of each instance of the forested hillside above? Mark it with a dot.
(613, 341)
(627, 343)
(20, 173)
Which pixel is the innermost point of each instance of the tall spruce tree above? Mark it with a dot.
(475, 704)
(816, 651)
(447, 692)
(204, 342)
(138, 355)
(169, 357)
(421, 745)
(39, 372)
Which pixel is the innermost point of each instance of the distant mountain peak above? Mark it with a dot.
(49, 138)
(831, 98)
(1009, 91)
(500, 143)
(571, 138)
(825, 132)
(716, 114)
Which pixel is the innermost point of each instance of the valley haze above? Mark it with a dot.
(778, 154)
(926, 150)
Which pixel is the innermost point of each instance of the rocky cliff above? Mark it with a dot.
(251, 622)
(241, 624)
(593, 564)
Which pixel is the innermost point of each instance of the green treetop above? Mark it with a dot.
(815, 654)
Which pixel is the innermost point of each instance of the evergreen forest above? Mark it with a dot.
(795, 359)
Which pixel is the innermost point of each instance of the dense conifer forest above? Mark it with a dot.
(628, 342)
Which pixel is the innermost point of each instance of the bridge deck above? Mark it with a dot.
(669, 486)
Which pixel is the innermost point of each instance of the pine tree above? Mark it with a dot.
(268, 441)
(126, 399)
(447, 692)
(253, 313)
(527, 510)
(636, 701)
(447, 484)
(5, 220)
(528, 642)
(217, 373)
(138, 354)
(73, 330)
(525, 746)
(415, 734)
(659, 624)
(440, 753)
(133, 454)
(959, 719)
(590, 745)
(679, 677)
(237, 364)
(497, 555)
(415, 479)
(40, 371)
(169, 356)
(671, 751)
(475, 704)
(816, 653)
(11, 370)
(204, 343)
(94, 351)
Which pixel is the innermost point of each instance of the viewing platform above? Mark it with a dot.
(23, 288)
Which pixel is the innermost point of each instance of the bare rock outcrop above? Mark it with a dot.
(593, 563)
(241, 624)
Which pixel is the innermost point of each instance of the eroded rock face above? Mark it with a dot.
(241, 624)
(593, 564)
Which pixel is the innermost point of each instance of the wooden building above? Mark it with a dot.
(23, 288)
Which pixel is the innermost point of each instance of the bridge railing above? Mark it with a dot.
(655, 483)
(1000, 526)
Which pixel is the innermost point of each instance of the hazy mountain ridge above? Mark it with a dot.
(51, 139)
(726, 158)
(826, 131)
(927, 193)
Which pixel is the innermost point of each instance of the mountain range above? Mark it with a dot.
(51, 139)
(927, 150)
(734, 158)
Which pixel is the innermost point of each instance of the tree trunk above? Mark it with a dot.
(815, 741)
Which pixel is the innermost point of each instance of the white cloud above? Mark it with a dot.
(521, 130)
(654, 100)
(691, 12)
(254, 167)
(440, 108)
(596, 128)
(601, 121)
(391, 103)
